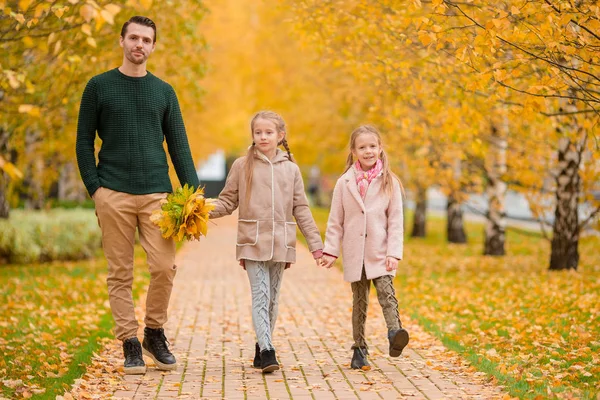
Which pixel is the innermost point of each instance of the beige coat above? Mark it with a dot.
(266, 226)
(368, 231)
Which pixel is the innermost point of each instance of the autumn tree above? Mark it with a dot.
(52, 48)
(546, 52)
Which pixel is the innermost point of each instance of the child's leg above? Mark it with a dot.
(276, 276)
(258, 274)
(386, 294)
(360, 303)
(397, 336)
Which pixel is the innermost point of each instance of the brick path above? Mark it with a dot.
(210, 329)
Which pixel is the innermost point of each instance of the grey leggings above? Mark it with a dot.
(265, 281)
(387, 299)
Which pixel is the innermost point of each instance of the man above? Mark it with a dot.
(133, 112)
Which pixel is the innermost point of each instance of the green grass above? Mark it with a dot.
(55, 316)
(532, 330)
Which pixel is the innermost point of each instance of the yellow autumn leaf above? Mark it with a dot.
(18, 17)
(146, 4)
(60, 11)
(24, 4)
(8, 167)
(28, 41)
(426, 38)
(87, 29)
(87, 12)
(30, 109)
(107, 16)
(91, 41)
(112, 8)
(40, 9)
(99, 23)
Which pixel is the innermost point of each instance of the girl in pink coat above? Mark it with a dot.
(365, 226)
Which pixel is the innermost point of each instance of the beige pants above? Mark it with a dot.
(119, 215)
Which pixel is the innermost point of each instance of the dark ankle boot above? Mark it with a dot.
(134, 362)
(398, 340)
(268, 361)
(256, 363)
(155, 347)
(359, 358)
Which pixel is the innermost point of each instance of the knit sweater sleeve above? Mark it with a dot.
(86, 134)
(177, 142)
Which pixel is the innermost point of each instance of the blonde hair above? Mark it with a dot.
(249, 165)
(388, 175)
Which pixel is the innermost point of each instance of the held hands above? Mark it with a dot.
(391, 263)
(327, 261)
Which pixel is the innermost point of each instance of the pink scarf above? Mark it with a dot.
(364, 178)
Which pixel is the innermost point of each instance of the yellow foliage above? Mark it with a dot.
(184, 214)
(10, 169)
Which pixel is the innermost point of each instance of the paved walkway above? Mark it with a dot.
(210, 329)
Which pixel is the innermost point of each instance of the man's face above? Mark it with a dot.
(138, 43)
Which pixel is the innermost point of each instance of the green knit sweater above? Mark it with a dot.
(133, 117)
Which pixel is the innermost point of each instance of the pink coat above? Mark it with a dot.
(368, 231)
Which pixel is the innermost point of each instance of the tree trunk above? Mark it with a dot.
(69, 184)
(565, 239)
(455, 229)
(4, 206)
(495, 226)
(419, 221)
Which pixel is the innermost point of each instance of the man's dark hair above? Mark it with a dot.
(145, 21)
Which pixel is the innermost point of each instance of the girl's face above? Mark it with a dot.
(266, 137)
(366, 150)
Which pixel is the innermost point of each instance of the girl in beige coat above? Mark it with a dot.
(267, 186)
(366, 221)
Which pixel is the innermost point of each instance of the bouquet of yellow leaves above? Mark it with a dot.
(183, 214)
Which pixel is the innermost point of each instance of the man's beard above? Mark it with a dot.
(137, 61)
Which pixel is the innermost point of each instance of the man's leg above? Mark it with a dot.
(161, 262)
(117, 219)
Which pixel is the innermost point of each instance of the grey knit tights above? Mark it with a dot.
(265, 281)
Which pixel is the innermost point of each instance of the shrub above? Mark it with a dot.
(41, 236)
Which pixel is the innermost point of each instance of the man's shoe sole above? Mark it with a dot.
(139, 370)
(159, 365)
(398, 343)
(270, 368)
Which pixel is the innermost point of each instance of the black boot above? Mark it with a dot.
(398, 341)
(256, 363)
(134, 362)
(155, 347)
(359, 359)
(268, 361)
